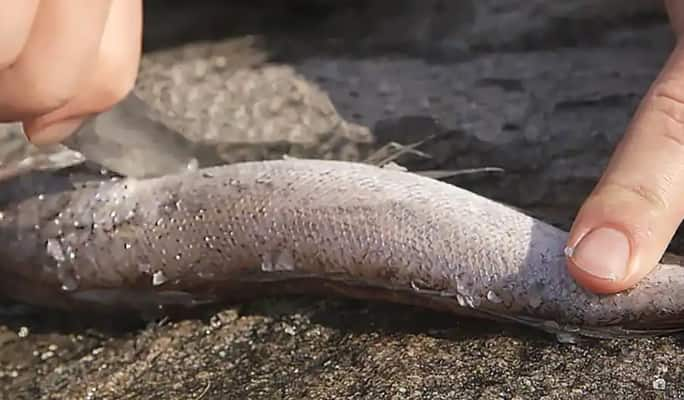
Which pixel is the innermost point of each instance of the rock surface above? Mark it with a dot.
(543, 89)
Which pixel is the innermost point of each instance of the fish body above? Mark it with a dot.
(305, 226)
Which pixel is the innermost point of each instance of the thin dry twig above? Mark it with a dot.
(386, 158)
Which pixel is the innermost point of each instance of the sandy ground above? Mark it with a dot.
(542, 89)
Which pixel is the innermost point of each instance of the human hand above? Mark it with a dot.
(625, 225)
(61, 60)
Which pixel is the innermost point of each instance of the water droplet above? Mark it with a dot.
(145, 268)
(178, 256)
(2, 216)
(206, 274)
(193, 165)
(54, 250)
(569, 251)
(493, 297)
(127, 246)
(158, 278)
(566, 338)
(460, 286)
(278, 261)
(471, 301)
(659, 384)
(69, 286)
(41, 197)
(263, 179)
(206, 174)
(267, 263)
(461, 300)
(534, 300)
(112, 214)
(67, 277)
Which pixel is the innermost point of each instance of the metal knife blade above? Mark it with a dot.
(127, 140)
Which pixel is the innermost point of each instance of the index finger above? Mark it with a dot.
(627, 222)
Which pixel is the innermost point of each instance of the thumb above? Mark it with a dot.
(627, 222)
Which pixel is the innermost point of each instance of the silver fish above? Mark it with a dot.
(305, 226)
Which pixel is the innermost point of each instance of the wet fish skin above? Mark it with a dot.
(299, 226)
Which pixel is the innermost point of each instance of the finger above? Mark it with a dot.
(60, 50)
(113, 77)
(15, 25)
(625, 225)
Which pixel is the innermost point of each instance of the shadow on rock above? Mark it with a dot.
(16, 316)
(363, 317)
(342, 315)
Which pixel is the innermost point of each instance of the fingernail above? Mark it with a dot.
(603, 253)
(54, 133)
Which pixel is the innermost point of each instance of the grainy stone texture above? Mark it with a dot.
(543, 89)
(245, 102)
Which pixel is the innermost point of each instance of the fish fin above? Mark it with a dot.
(569, 333)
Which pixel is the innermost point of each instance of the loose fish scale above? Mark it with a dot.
(338, 221)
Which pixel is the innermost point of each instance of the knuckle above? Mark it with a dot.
(668, 99)
(654, 197)
(49, 98)
(41, 94)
